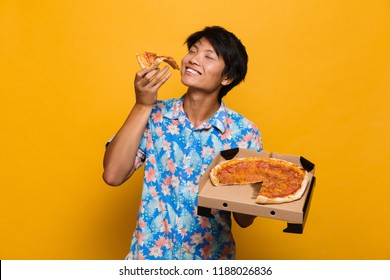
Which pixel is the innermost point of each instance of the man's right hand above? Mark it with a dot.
(147, 83)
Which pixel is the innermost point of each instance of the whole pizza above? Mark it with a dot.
(281, 181)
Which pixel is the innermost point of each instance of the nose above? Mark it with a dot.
(195, 59)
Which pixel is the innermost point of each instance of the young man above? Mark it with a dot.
(177, 140)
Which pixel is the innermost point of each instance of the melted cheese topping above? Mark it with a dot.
(279, 178)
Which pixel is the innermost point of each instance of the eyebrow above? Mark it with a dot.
(212, 51)
(207, 50)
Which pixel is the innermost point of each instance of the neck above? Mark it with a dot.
(200, 107)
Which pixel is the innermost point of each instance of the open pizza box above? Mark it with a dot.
(241, 198)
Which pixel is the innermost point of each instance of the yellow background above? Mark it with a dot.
(318, 86)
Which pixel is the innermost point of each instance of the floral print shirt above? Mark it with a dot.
(176, 154)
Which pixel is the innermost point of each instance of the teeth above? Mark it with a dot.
(193, 71)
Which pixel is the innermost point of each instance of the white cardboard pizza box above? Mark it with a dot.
(241, 198)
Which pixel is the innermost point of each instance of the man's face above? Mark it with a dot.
(202, 68)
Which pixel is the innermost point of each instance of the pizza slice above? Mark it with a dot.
(149, 59)
(282, 181)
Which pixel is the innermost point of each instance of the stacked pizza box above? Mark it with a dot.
(242, 198)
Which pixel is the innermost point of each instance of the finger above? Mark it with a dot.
(152, 74)
(141, 73)
(160, 74)
(162, 80)
(147, 79)
(146, 72)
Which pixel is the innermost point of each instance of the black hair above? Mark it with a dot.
(230, 48)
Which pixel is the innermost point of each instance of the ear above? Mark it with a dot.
(226, 81)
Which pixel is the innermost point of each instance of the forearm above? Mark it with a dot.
(119, 157)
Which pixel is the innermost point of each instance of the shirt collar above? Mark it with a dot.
(176, 111)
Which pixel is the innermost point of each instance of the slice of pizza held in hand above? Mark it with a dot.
(282, 181)
(149, 59)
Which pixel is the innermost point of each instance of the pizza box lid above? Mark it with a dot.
(241, 198)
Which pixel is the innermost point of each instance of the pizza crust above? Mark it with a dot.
(249, 179)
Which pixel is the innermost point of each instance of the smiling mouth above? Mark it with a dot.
(193, 71)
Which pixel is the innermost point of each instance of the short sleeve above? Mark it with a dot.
(140, 156)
